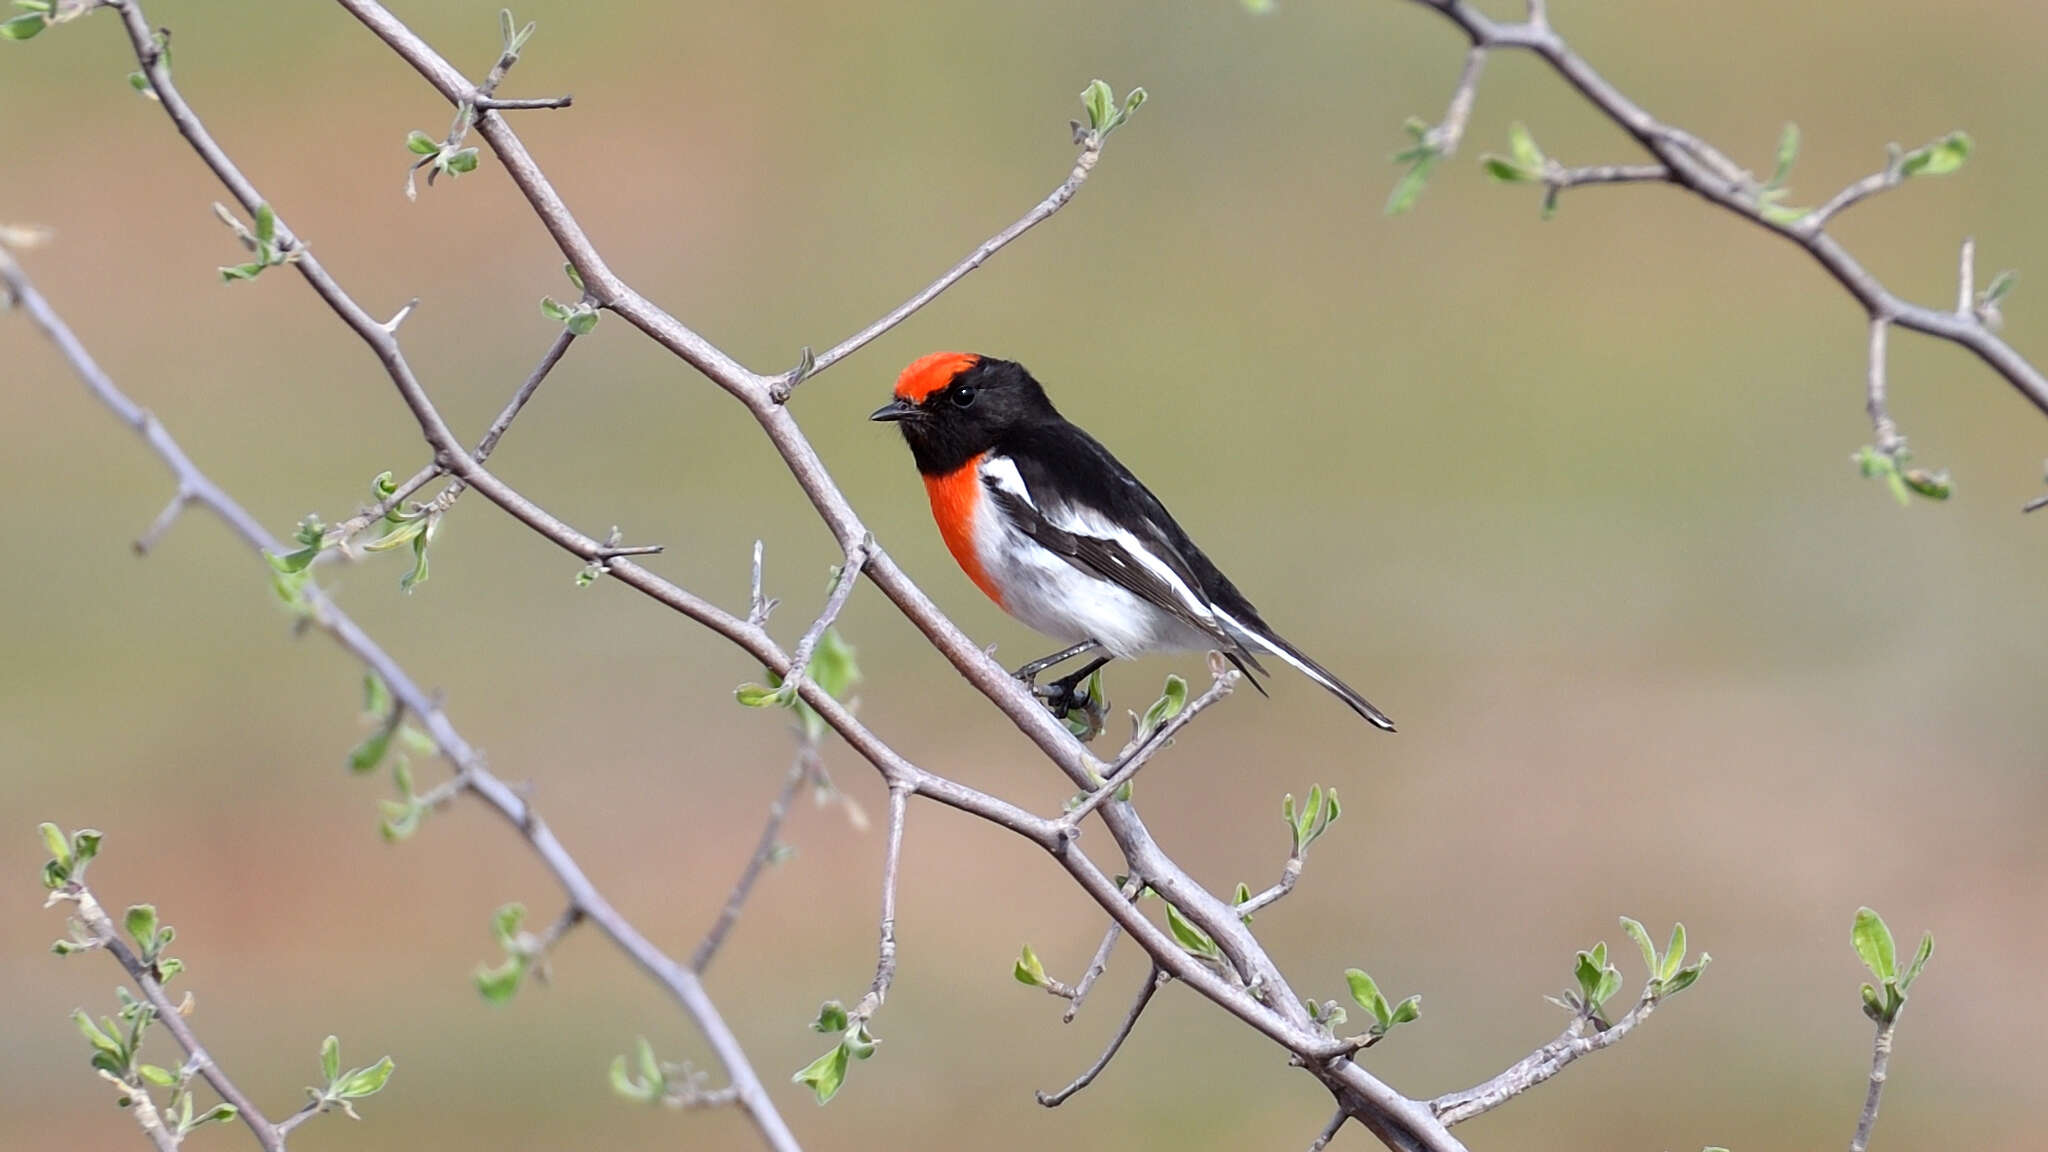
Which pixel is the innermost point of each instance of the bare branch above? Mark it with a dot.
(1880, 1061)
(493, 102)
(162, 524)
(1078, 994)
(1608, 174)
(1444, 137)
(1966, 278)
(1153, 982)
(885, 958)
(764, 851)
(1091, 152)
(1887, 433)
(1542, 1064)
(1699, 167)
(1336, 1123)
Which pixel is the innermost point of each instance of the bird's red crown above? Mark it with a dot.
(928, 374)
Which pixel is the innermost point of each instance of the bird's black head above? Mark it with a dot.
(954, 406)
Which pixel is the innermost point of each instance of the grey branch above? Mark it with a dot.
(885, 953)
(1145, 745)
(1091, 152)
(1880, 1061)
(764, 851)
(1329, 1131)
(1882, 429)
(324, 615)
(1153, 982)
(1078, 994)
(1695, 165)
(1542, 1064)
(101, 927)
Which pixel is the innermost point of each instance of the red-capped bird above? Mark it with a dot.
(1060, 534)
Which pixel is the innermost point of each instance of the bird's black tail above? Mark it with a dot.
(1272, 642)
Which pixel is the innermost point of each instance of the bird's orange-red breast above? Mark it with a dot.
(1060, 534)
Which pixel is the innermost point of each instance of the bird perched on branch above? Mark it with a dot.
(1064, 538)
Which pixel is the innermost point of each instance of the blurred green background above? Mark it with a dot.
(1570, 500)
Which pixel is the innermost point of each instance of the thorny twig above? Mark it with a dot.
(1155, 980)
(764, 852)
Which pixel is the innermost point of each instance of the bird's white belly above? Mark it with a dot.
(1068, 604)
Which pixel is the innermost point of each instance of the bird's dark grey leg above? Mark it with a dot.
(1029, 672)
(1060, 695)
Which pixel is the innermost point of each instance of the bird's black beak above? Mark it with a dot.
(897, 409)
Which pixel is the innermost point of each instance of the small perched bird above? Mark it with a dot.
(1060, 534)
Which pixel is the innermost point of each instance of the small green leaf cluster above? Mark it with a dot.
(117, 1054)
(401, 817)
(439, 156)
(1314, 818)
(1874, 946)
(1365, 992)
(1524, 164)
(1105, 115)
(1905, 482)
(262, 240)
(411, 524)
(345, 1087)
(151, 938)
(1030, 971)
(497, 984)
(140, 80)
(1421, 157)
(1986, 308)
(1088, 717)
(1938, 157)
(832, 668)
(292, 572)
(69, 855)
(37, 15)
(579, 318)
(1598, 980)
(1770, 198)
(827, 1074)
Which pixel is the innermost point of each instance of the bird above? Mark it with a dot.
(1063, 537)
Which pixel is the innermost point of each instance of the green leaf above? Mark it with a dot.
(497, 985)
(1674, 955)
(831, 1017)
(365, 756)
(1505, 170)
(219, 1114)
(102, 1040)
(35, 5)
(1193, 939)
(1872, 1006)
(421, 144)
(1782, 213)
(85, 844)
(228, 275)
(1939, 158)
(1408, 189)
(418, 575)
(1029, 970)
(2001, 285)
(1641, 936)
(1873, 940)
(1522, 147)
(26, 27)
(266, 225)
(554, 310)
(581, 321)
(1920, 958)
(755, 696)
(367, 1081)
(1406, 1010)
(376, 693)
(1100, 102)
(1684, 977)
(141, 924)
(330, 1059)
(575, 277)
(1610, 983)
(55, 844)
(825, 1075)
(400, 819)
(459, 161)
(1367, 995)
(505, 923)
(624, 1084)
(1167, 706)
(1588, 971)
(161, 1077)
(1933, 485)
(858, 1043)
(1788, 151)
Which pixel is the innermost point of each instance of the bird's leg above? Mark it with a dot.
(1029, 672)
(1060, 696)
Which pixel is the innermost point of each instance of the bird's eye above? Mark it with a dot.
(963, 396)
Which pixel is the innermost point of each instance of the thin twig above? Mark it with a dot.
(1084, 164)
(101, 927)
(1880, 1061)
(850, 566)
(885, 951)
(1540, 1065)
(1336, 1123)
(1153, 982)
(1886, 432)
(764, 851)
(1704, 170)
(1608, 174)
(1078, 994)
(493, 102)
(323, 614)
(1141, 749)
(1444, 137)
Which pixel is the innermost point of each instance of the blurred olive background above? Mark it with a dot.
(1571, 500)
